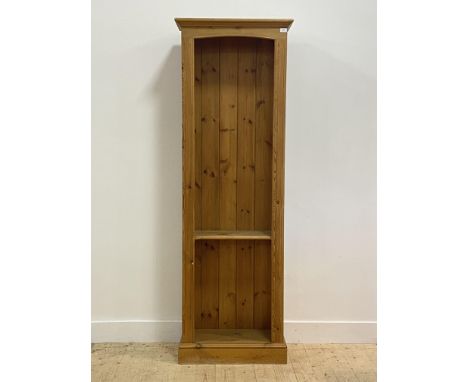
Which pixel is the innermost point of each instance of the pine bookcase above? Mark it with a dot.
(233, 97)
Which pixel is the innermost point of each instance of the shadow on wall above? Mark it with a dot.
(166, 91)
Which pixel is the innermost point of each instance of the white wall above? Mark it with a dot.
(330, 226)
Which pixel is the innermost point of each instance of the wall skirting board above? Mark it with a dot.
(294, 331)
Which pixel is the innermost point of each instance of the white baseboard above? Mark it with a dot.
(294, 331)
(351, 332)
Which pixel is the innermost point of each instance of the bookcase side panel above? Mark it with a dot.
(188, 183)
(277, 228)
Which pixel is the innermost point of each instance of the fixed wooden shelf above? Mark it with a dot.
(232, 235)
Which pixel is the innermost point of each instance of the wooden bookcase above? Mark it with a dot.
(233, 90)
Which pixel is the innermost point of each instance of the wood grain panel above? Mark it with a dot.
(210, 181)
(209, 284)
(227, 284)
(262, 285)
(246, 134)
(232, 336)
(198, 184)
(228, 170)
(234, 164)
(198, 137)
(201, 33)
(263, 134)
(263, 145)
(198, 284)
(245, 179)
(232, 355)
(277, 226)
(232, 235)
(210, 133)
(245, 284)
(188, 148)
(228, 133)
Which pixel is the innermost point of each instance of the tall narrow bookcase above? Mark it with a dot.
(233, 93)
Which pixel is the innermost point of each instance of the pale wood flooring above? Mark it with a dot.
(141, 362)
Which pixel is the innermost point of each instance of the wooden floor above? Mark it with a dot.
(142, 362)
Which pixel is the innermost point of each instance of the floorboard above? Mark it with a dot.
(128, 362)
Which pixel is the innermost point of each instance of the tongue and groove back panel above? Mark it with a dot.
(233, 174)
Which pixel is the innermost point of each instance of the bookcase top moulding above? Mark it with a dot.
(183, 23)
